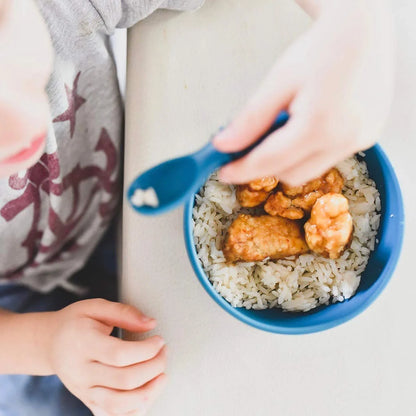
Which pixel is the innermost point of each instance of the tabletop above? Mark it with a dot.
(188, 74)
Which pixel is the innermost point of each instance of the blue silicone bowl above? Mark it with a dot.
(379, 270)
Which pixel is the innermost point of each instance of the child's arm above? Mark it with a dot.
(336, 81)
(23, 351)
(110, 375)
(25, 65)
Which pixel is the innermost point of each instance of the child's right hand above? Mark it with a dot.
(109, 375)
(336, 81)
(25, 65)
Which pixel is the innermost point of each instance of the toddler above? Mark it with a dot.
(60, 143)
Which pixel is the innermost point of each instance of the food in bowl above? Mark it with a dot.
(294, 202)
(293, 281)
(256, 192)
(256, 238)
(329, 229)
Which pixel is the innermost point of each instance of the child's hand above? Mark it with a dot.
(336, 83)
(111, 376)
(25, 65)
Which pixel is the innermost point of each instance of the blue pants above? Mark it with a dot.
(22, 395)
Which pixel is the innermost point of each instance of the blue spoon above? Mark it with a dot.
(174, 181)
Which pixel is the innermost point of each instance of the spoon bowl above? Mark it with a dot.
(175, 180)
(170, 180)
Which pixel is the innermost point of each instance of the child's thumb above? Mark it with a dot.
(257, 117)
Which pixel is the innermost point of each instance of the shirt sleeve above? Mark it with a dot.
(125, 13)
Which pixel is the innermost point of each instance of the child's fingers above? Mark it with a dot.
(281, 150)
(118, 314)
(130, 377)
(311, 167)
(259, 114)
(124, 402)
(120, 353)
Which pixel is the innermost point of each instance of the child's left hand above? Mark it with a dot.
(109, 375)
(336, 83)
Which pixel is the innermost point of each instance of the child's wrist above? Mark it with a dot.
(33, 343)
(356, 19)
(339, 6)
(44, 331)
(317, 8)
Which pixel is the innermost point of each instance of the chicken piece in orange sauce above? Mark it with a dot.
(282, 205)
(257, 238)
(256, 192)
(295, 201)
(329, 229)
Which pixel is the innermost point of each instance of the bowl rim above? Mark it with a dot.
(382, 280)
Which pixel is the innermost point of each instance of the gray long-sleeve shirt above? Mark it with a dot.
(53, 214)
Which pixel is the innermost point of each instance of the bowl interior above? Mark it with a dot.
(376, 276)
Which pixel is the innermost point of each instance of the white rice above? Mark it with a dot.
(294, 283)
(145, 197)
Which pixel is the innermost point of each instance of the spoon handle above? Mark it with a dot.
(210, 158)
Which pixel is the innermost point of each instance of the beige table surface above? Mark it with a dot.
(187, 75)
